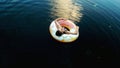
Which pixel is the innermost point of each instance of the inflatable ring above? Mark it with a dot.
(65, 37)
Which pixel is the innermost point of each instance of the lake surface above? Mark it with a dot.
(25, 39)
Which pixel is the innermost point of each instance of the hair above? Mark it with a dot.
(59, 33)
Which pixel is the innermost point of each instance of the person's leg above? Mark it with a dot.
(58, 26)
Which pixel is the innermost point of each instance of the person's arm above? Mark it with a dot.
(68, 32)
(77, 30)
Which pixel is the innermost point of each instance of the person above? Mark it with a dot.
(64, 30)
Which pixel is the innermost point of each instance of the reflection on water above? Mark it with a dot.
(66, 9)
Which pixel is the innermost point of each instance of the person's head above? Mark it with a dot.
(59, 33)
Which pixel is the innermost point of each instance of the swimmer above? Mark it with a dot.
(64, 30)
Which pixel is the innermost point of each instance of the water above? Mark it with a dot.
(25, 38)
(68, 9)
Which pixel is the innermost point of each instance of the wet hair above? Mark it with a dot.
(59, 33)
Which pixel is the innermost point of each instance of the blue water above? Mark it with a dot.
(25, 38)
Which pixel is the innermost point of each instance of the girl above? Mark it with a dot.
(63, 30)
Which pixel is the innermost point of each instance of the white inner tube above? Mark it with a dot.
(65, 37)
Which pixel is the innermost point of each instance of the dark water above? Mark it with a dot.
(25, 39)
